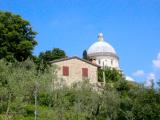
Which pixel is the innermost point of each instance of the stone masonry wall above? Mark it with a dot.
(75, 71)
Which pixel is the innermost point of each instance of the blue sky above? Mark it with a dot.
(132, 27)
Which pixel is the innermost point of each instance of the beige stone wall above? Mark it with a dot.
(75, 71)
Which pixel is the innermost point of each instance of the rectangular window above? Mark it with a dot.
(65, 71)
(84, 72)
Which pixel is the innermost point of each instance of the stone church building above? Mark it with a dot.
(75, 69)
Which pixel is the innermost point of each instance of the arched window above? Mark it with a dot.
(111, 62)
(99, 62)
(103, 63)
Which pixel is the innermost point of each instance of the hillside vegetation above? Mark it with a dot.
(120, 100)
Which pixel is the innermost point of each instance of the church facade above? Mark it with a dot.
(75, 69)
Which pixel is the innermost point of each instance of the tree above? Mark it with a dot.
(18, 83)
(17, 39)
(146, 105)
(110, 74)
(85, 56)
(53, 54)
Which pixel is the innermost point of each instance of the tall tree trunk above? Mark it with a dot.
(8, 108)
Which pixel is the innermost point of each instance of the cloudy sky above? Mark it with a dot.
(131, 26)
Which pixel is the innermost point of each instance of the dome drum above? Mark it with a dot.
(94, 55)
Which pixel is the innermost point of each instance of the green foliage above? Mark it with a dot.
(147, 105)
(122, 86)
(50, 55)
(44, 58)
(121, 101)
(17, 85)
(16, 37)
(110, 75)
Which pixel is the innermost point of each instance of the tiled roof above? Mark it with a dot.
(74, 57)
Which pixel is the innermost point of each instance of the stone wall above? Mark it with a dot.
(75, 71)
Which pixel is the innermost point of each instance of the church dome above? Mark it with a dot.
(101, 48)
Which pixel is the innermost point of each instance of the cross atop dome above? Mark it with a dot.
(100, 37)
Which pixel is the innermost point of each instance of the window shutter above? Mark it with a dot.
(65, 71)
(84, 72)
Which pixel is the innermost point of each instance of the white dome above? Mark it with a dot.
(101, 47)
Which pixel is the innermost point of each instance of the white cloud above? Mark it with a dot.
(152, 76)
(150, 79)
(128, 78)
(139, 73)
(156, 62)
